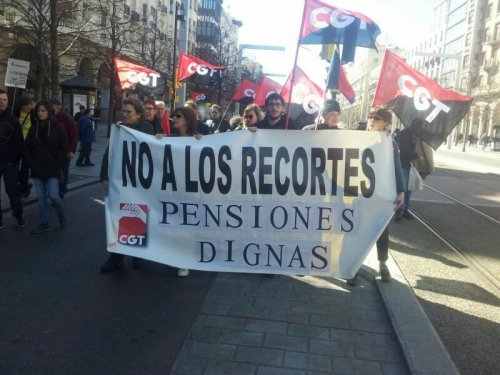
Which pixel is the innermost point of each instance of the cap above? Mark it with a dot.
(330, 105)
(381, 113)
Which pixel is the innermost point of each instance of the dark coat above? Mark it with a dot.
(142, 126)
(264, 124)
(69, 125)
(407, 147)
(85, 130)
(46, 147)
(11, 138)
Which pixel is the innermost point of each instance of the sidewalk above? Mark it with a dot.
(474, 158)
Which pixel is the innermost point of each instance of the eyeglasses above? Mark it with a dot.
(250, 117)
(178, 115)
(149, 109)
(274, 104)
(128, 112)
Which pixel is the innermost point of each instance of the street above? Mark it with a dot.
(59, 315)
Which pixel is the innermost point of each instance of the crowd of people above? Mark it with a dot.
(41, 140)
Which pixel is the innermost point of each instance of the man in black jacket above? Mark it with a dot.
(275, 115)
(11, 151)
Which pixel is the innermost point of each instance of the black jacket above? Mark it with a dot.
(264, 124)
(11, 138)
(407, 147)
(46, 145)
(142, 126)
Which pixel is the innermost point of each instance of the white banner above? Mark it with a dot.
(273, 201)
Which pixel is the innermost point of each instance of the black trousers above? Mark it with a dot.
(383, 245)
(10, 174)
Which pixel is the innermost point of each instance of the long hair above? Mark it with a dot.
(48, 107)
(190, 117)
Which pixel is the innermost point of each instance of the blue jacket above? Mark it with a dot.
(85, 130)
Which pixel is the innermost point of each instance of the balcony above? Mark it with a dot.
(490, 66)
(493, 41)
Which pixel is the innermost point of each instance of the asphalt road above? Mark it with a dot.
(59, 315)
(463, 307)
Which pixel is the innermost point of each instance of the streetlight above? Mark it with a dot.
(178, 16)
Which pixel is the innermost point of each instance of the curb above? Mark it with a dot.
(423, 349)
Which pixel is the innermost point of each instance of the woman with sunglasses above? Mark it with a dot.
(133, 117)
(185, 125)
(251, 115)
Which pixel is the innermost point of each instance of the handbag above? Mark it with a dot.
(415, 180)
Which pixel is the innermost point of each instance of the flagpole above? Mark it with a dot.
(295, 64)
(224, 115)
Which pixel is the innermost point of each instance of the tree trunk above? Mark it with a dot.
(54, 58)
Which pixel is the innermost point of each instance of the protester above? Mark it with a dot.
(77, 115)
(26, 118)
(236, 123)
(86, 136)
(162, 113)
(275, 114)
(202, 127)
(329, 118)
(185, 125)
(407, 143)
(251, 115)
(69, 126)
(133, 117)
(150, 115)
(362, 124)
(46, 154)
(378, 120)
(220, 125)
(11, 151)
(484, 141)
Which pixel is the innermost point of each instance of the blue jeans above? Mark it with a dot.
(10, 174)
(50, 187)
(406, 204)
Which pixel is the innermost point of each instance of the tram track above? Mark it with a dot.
(454, 244)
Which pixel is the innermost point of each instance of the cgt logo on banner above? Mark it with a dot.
(267, 202)
(132, 226)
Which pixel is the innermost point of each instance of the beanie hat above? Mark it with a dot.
(330, 105)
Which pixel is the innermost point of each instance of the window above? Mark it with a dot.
(486, 35)
(497, 30)
(467, 39)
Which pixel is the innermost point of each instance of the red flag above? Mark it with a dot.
(246, 89)
(131, 74)
(327, 24)
(197, 96)
(266, 87)
(337, 80)
(190, 65)
(413, 96)
(306, 99)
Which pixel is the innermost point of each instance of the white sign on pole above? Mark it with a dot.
(274, 201)
(17, 73)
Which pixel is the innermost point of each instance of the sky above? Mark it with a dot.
(277, 22)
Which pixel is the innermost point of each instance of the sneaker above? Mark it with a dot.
(385, 275)
(42, 228)
(111, 266)
(353, 281)
(136, 262)
(21, 223)
(182, 272)
(407, 215)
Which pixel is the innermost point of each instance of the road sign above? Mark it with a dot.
(17, 73)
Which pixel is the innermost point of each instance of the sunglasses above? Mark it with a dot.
(250, 117)
(177, 115)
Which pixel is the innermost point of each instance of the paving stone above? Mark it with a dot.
(266, 370)
(328, 321)
(386, 340)
(249, 312)
(241, 338)
(355, 366)
(371, 326)
(266, 326)
(234, 300)
(338, 300)
(229, 368)
(293, 343)
(211, 350)
(192, 366)
(215, 308)
(308, 361)
(259, 356)
(290, 295)
(377, 353)
(308, 307)
(394, 369)
(354, 337)
(308, 331)
(207, 334)
(258, 292)
(272, 303)
(289, 316)
(331, 348)
(223, 322)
